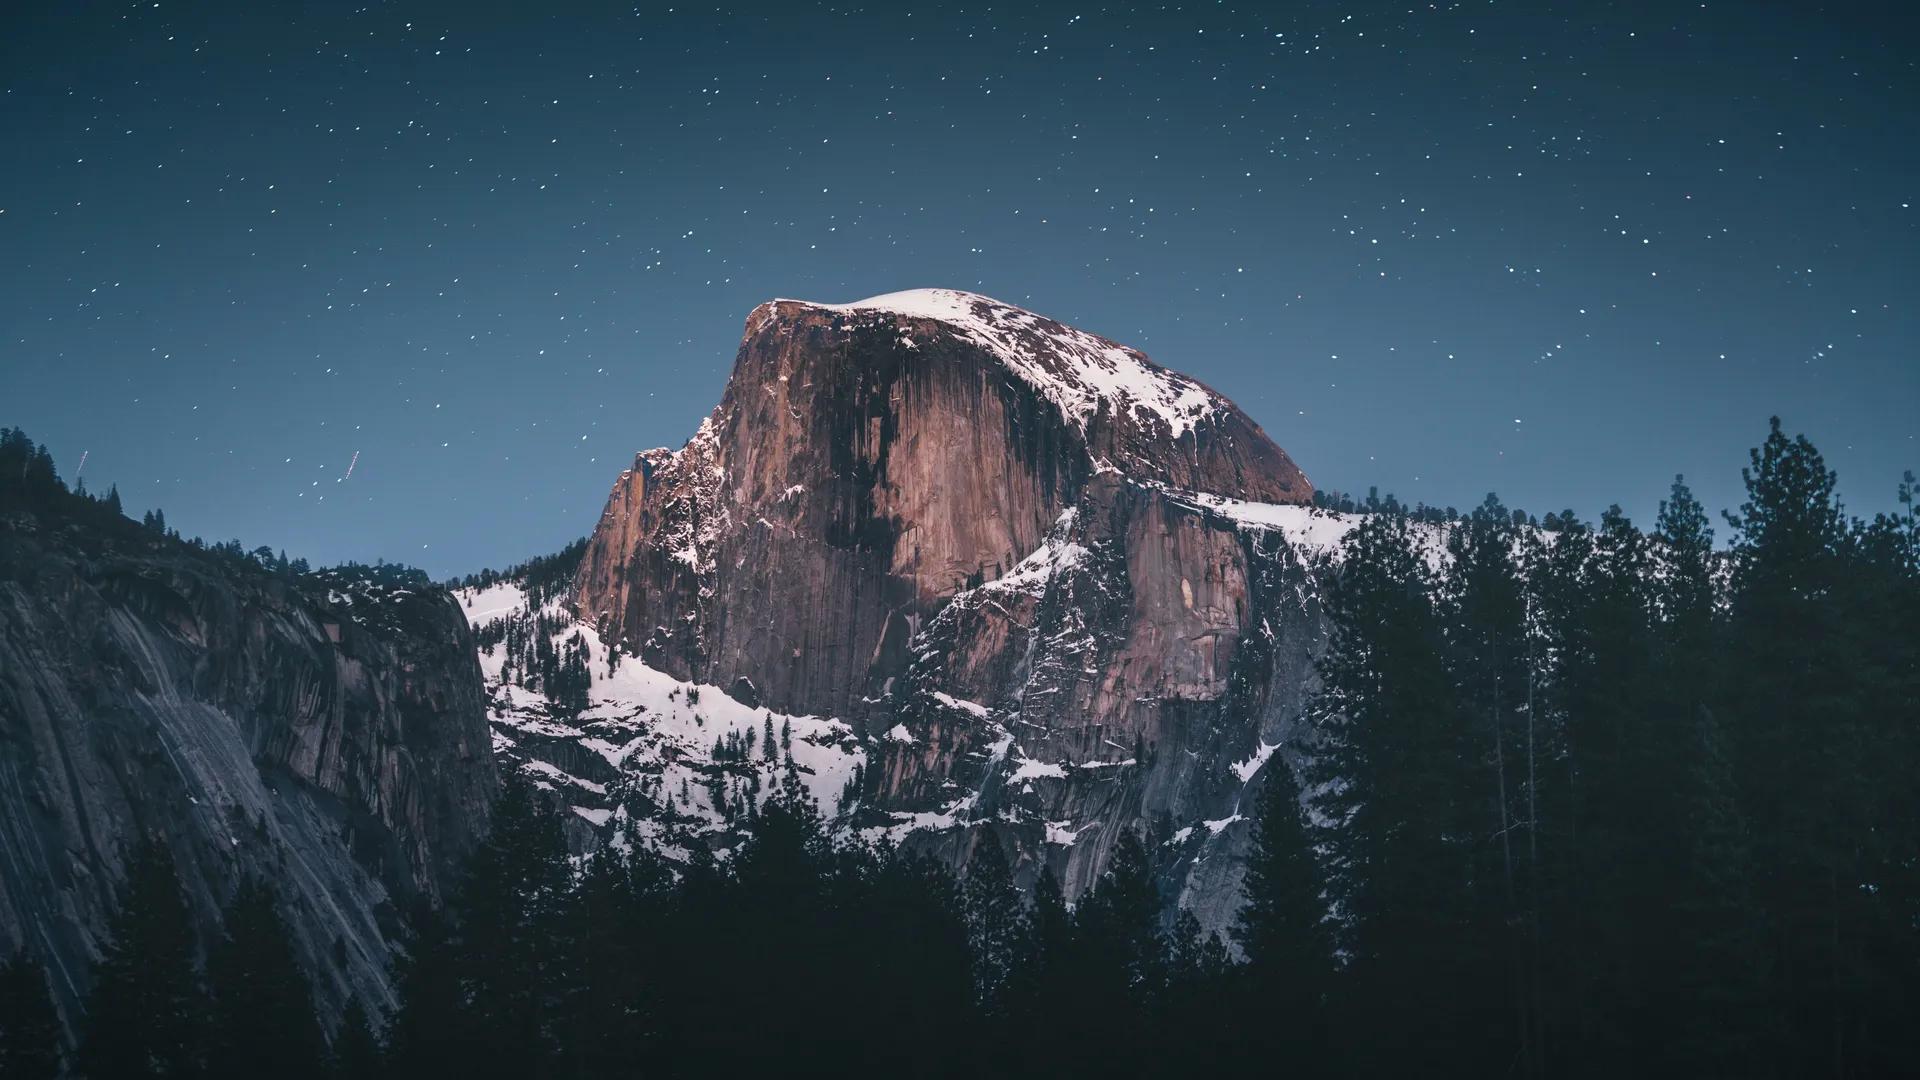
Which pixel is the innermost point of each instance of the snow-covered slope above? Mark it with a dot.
(1051, 590)
(1077, 371)
(651, 758)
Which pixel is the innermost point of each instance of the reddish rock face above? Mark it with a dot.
(868, 462)
(936, 511)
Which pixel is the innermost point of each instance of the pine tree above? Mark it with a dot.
(29, 1027)
(993, 914)
(899, 923)
(509, 914)
(609, 1013)
(263, 1016)
(1486, 610)
(1116, 969)
(146, 1016)
(356, 1053)
(1043, 986)
(430, 1028)
(1282, 927)
(1882, 592)
(1612, 801)
(1716, 975)
(1204, 1012)
(1796, 732)
(1399, 776)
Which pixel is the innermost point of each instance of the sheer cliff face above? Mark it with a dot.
(327, 735)
(997, 540)
(868, 462)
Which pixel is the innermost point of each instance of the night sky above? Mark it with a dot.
(1561, 251)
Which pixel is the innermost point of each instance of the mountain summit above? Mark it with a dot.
(1000, 576)
(868, 461)
(1121, 403)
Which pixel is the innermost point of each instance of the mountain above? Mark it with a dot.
(324, 731)
(991, 571)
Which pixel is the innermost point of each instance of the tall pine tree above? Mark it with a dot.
(356, 1052)
(147, 1014)
(1797, 739)
(29, 1028)
(1399, 771)
(1282, 927)
(263, 1017)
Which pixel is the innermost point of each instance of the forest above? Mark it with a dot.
(1572, 800)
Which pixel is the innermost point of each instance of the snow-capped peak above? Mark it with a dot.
(1077, 371)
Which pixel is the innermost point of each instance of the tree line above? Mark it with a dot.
(1595, 801)
(800, 952)
(1581, 801)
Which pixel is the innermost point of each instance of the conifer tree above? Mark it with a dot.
(429, 1030)
(508, 919)
(1797, 738)
(1117, 965)
(29, 1027)
(1400, 798)
(1204, 1011)
(1486, 610)
(146, 1016)
(263, 1017)
(1282, 927)
(993, 915)
(1717, 991)
(609, 1010)
(1043, 983)
(356, 1053)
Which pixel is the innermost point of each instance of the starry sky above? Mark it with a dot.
(1561, 251)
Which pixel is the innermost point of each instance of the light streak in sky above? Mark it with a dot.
(83, 464)
(351, 464)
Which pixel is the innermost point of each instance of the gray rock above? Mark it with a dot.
(326, 734)
(940, 515)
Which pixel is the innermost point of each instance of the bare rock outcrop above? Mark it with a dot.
(1004, 550)
(324, 731)
(867, 462)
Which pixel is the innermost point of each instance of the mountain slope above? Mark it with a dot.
(866, 462)
(323, 731)
(1034, 583)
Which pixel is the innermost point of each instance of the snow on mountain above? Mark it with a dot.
(1310, 529)
(651, 758)
(1049, 590)
(1075, 370)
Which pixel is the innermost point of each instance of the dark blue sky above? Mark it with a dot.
(1561, 251)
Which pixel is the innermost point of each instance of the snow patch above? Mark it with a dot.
(1037, 770)
(971, 708)
(1060, 832)
(1245, 770)
(1078, 372)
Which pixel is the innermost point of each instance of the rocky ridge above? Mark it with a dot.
(323, 731)
(1029, 583)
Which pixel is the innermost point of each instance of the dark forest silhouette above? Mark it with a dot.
(1594, 801)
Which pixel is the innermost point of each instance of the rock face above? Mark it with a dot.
(325, 732)
(1056, 590)
(866, 463)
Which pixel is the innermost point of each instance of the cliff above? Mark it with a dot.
(867, 462)
(324, 731)
(1053, 589)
